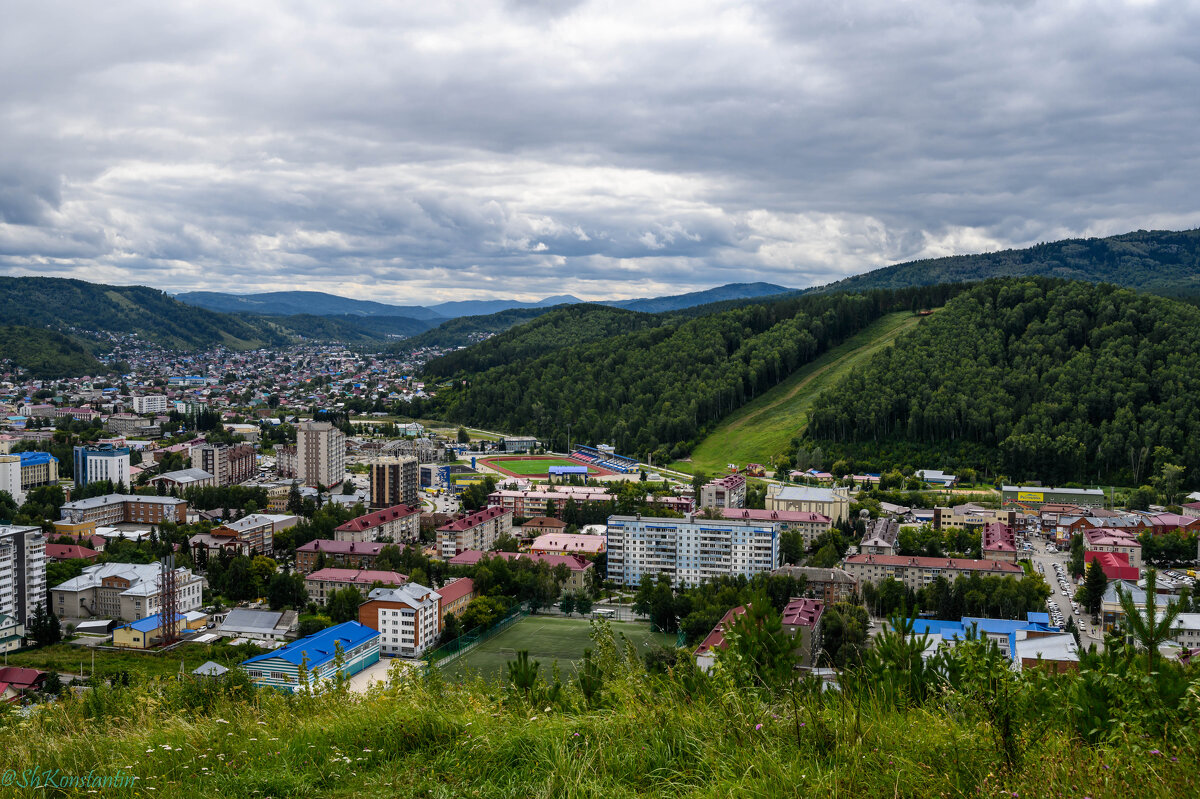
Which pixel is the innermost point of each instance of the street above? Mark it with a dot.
(1046, 560)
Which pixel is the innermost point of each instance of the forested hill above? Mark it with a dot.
(76, 304)
(560, 328)
(46, 354)
(1159, 261)
(1030, 378)
(655, 391)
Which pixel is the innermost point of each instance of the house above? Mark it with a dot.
(323, 582)
(144, 633)
(12, 633)
(399, 524)
(706, 652)
(210, 669)
(540, 525)
(407, 618)
(564, 544)
(15, 680)
(314, 660)
(260, 625)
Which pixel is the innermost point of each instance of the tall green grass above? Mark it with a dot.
(663, 735)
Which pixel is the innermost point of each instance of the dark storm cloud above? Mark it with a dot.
(537, 147)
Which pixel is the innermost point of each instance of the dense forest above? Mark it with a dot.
(46, 353)
(347, 328)
(467, 329)
(560, 328)
(1160, 261)
(655, 391)
(1032, 378)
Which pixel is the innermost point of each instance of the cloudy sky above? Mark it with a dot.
(422, 152)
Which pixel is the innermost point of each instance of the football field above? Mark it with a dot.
(535, 466)
(548, 638)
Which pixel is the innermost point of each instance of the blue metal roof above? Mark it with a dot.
(36, 458)
(320, 647)
(148, 624)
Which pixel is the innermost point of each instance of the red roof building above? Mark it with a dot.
(1115, 565)
(70, 552)
(399, 523)
(322, 583)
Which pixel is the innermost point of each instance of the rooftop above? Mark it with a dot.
(321, 647)
(474, 519)
(369, 520)
(364, 576)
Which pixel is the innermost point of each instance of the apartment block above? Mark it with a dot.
(228, 464)
(398, 524)
(104, 462)
(478, 530)
(407, 619)
(394, 481)
(320, 454)
(150, 403)
(22, 571)
(918, 572)
(724, 492)
(349, 554)
(689, 551)
(125, 509)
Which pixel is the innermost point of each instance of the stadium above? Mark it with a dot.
(582, 462)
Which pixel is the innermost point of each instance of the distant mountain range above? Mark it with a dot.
(317, 303)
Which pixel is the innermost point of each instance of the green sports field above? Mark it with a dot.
(548, 638)
(533, 467)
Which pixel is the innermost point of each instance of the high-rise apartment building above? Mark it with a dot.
(102, 462)
(22, 571)
(320, 454)
(394, 482)
(150, 403)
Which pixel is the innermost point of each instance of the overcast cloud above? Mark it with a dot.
(424, 152)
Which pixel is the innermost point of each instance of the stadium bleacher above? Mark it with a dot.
(613, 462)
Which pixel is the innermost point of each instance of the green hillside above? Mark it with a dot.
(1160, 261)
(46, 354)
(467, 329)
(560, 328)
(658, 390)
(1031, 378)
(154, 315)
(762, 429)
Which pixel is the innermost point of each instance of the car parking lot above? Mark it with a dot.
(1061, 606)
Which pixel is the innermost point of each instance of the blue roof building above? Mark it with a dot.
(318, 652)
(1007, 633)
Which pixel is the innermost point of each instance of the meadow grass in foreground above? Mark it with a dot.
(645, 735)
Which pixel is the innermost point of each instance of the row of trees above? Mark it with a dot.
(968, 595)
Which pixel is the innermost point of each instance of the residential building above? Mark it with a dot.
(831, 586)
(1114, 540)
(690, 550)
(1033, 497)
(394, 481)
(533, 503)
(810, 525)
(801, 620)
(260, 625)
(540, 525)
(38, 469)
(125, 509)
(880, 536)
(61, 552)
(257, 530)
(12, 633)
(183, 479)
(724, 492)
(569, 544)
(10, 477)
(407, 618)
(205, 546)
(124, 424)
(346, 554)
(128, 591)
(398, 524)
(104, 462)
(831, 502)
(1187, 631)
(320, 454)
(229, 464)
(357, 645)
(150, 403)
(577, 567)
(323, 582)
(454, 595)
(998, 542)
(285, 462)
(1115, 565)
(478, 530)
(918, 572)
(22, 571)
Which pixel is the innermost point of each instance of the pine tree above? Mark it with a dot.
(1094, 585)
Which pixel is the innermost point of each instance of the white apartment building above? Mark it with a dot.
(150, 403)
(689, 550)
(320, 454)
(22, 571)
(129, 591)
(98, 464)
(10, 477)
(407, 619)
